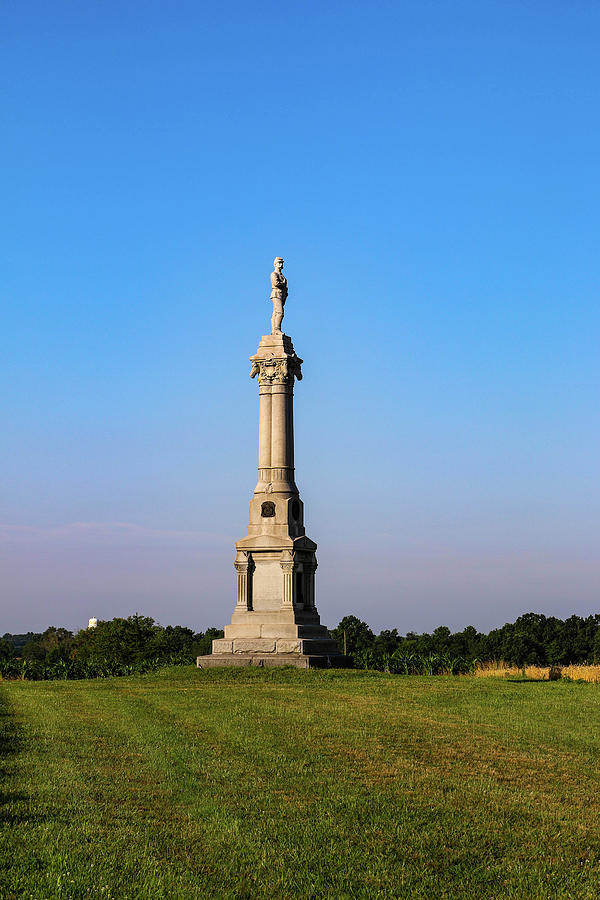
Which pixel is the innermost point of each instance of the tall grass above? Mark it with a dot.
(501, 669)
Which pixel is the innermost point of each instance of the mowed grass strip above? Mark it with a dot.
(283, 783)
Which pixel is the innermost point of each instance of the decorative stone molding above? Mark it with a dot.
(271, 474)
(277, 371)
(243, 561)
(244, 566)
(286, 562)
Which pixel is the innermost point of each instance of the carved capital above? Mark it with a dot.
(287, 561)
(243, 562)
(277, 371)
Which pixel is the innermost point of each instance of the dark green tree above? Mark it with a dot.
(441, 639)
(52, 645)
(387, 641)
(596, 647)
(19, 640)
(7, 651)
(204, 641)
(358, 635)
(174, 639)
(119, 640)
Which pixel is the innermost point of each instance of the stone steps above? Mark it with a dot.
(298, 660)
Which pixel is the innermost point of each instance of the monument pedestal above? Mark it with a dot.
(275, 621)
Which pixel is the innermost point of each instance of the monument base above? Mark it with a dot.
(275, 620)
(298, 660)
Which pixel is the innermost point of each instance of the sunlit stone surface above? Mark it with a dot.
(275, 620)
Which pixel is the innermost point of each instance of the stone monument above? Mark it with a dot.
(275, 620)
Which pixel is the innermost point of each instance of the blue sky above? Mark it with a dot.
(429, 172)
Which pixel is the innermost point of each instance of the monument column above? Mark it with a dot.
(282, 430)
(264, 434)
(279, 437)
(275, 620)
(277, 366)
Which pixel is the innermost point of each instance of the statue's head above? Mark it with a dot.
(278, 262)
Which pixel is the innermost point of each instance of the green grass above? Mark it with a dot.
(285, 783)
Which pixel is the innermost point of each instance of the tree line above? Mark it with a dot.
(533, 639)
(139, 644)
(116, 647)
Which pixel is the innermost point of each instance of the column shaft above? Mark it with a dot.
(280, 417)
(244, 568)
(242, 590)
(287, 589)
(290, 429)
(309, 570)
(264, 427)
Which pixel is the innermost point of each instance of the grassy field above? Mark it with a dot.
(284, 783)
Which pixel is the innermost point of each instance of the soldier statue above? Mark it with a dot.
(279, 292)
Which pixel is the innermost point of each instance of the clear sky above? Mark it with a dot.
(429, 171)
